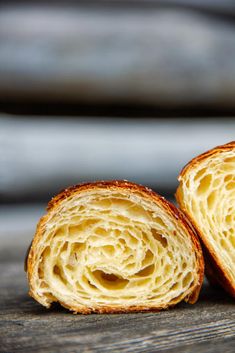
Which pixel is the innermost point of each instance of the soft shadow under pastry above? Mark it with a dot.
(114, 247)
(206, 194)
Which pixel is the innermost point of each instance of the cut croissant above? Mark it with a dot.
(207, 195)
(114, 247)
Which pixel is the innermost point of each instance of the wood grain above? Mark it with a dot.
(25, 326)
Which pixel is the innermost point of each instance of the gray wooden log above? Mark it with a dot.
(116, 55)
(38, 156)
(225, 7)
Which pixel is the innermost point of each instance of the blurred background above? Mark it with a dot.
(115, 89)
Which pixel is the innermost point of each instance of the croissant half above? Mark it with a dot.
(114, 247)
(206, 194)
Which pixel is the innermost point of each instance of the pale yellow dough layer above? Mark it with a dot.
(207, 195)
(112, 248)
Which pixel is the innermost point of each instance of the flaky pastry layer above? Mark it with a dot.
(114, 247)
(206, 194)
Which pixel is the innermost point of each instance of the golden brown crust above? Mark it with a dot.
(196, 160)
(143, 191)
(214, 268)
(214, 274)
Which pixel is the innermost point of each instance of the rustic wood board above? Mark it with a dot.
(25, 326)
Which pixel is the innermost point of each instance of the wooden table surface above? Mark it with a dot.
(26, 326)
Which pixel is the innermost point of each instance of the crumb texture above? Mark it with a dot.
(207, 194)
(112, 248)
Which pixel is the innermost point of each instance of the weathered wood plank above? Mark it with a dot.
(226, 7)
(25, 326)
(154, 56)
(39, 157)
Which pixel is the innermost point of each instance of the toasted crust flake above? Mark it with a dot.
(144, 192)
(214, 268)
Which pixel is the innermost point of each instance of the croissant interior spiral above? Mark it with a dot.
(113, 247)
(207, 195)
